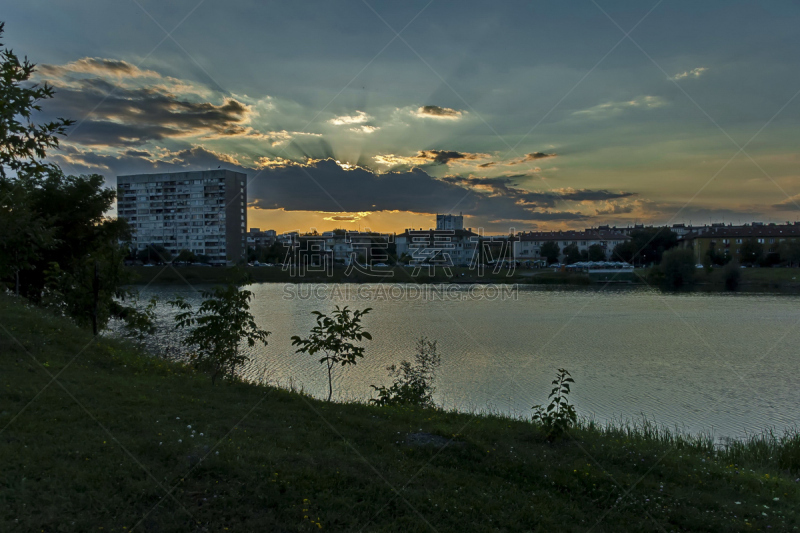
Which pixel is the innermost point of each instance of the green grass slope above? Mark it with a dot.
(95, 436)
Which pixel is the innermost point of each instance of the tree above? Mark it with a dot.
(572, 253)
(217, 329)
(678, 267)
(597, 253)
(333, 336)
(186, 256)
(154, 252)
(790, 251)
(23, 144)
(550, 251)
(413, 382)
(750, 252)
(23, 235)
(58, 247)
(731, 274)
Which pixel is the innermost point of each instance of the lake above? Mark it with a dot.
(719, 362)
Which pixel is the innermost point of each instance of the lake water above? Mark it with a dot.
(726, 363)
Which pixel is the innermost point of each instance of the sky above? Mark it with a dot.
(535, 115)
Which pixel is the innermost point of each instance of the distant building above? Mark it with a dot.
(204, 212)
(728, 240)
(528, 245)
(256, 237)
(448, 222)
(446, 247)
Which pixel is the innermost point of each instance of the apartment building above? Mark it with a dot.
(201, 211)
(728, 240)
(528, 245)
(449, 222)
(445, 247)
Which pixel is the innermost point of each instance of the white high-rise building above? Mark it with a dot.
(201, 211)
(449, 222)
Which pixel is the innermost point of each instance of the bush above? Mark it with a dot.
(731, 274)
(559, 416)
(678, 267)
(413, 382)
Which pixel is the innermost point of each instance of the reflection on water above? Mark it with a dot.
(720, 362)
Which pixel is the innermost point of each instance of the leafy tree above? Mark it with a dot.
(23, 144)
(572, 253)
(56, 241)
(139, 322)
(186, 256)
(218, 328)
(413, 382)
(560, 415)
(678, 267)
(333, 336)
(790, 251)
(597, 253)
(750, 252)
(731, 274)
(624, 251)
(154, 253)
(550, 251)
(23, 234)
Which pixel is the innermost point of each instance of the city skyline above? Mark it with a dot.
(370, 114)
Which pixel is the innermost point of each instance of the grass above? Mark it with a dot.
(108, 446)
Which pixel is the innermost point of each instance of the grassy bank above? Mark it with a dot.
(122, 441)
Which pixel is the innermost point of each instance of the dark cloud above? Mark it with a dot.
(615, 209)
(96, 66)
(443, 157)
(487, 165)
(532, 157)
(116, 115)
(439, 112)
(505, 187)
(325, 186)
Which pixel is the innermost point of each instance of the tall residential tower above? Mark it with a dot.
(203, 211)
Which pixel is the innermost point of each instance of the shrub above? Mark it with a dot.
(560, 415)
(333, 336)
(678, 267)
(731, 274)
(413, 382)
(218, 327)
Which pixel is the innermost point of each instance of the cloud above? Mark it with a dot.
(365, 129)
(97, 66)
(789, 204)
(125, 106)
(348, 217)
(427, 157)
(507, 188)
(694, 73)
(434, 111)
(535, 156)
(609, 109)
(326, 186)
(614, 208)
(359, 118)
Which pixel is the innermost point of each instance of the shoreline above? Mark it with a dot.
(295, 453)
(754, 280)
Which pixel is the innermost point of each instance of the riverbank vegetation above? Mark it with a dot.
(94, 434)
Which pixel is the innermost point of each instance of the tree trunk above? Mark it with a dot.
(95, 296)
(330, 381)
